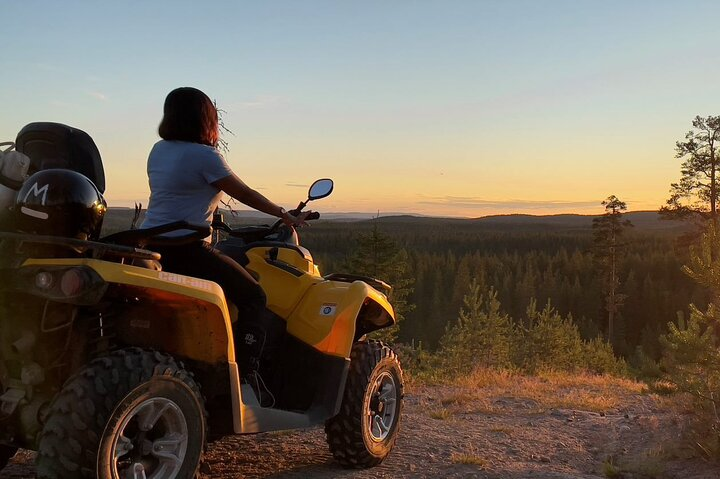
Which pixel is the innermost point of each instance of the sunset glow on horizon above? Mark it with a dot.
(461, 108)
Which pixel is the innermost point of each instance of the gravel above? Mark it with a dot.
(517, 438)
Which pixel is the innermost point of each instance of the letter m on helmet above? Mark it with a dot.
(35, 191)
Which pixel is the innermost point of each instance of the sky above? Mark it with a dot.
(444, 108)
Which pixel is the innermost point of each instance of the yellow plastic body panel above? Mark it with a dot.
(327, 316)
(183, 315)
(318, 312)
(284, 289)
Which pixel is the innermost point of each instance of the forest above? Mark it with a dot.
(548, 259)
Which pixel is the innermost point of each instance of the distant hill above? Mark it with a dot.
(120, 218)
(642, 220)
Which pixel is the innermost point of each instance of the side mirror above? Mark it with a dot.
(320, 189)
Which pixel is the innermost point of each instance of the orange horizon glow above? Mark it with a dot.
(484, 108)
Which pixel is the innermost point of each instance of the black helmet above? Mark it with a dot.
(60, 202)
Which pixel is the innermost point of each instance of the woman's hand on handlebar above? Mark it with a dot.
(291, 220)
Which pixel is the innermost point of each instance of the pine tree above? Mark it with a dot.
(548, 341)
(691, 349)
(481, 337)
(696, 195)
(607, 237)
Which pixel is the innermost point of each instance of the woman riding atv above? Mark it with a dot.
(188, 177)
(91, 378)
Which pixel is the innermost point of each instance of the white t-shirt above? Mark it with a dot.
(180, 176)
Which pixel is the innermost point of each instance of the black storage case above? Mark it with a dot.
(54, 145)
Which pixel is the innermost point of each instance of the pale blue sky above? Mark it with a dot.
(454, 108)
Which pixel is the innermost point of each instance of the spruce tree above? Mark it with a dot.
(379, 256)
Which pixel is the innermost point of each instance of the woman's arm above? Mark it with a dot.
(235, 187)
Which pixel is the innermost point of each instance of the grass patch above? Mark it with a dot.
(441, 414)
(465, 458)
(488, 378)
(458, 399)
(470, 457)
(599, 381)
(663, 387)
(649, 464)
(582, 400)
(609, 469)
(501, 429)
(550, 389)
(484, 409)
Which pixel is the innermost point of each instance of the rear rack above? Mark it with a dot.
(97, 249)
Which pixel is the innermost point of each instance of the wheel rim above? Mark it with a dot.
(151, 441)
(382, 407)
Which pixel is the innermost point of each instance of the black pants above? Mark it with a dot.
(201, 260)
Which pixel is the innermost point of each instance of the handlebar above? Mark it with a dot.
(259, 232)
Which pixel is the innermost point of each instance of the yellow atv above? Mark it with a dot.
(111, 367)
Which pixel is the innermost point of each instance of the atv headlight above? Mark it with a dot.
(44, 280)
(75, 285)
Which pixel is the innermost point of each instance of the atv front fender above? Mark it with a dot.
(332, 314)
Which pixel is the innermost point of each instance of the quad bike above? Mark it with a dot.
(111, 367)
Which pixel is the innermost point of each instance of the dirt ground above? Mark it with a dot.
(466, 432)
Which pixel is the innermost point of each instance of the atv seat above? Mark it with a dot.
(139, 238)
(54, 145)
(149, 237)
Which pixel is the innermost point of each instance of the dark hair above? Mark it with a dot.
(189, 115)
